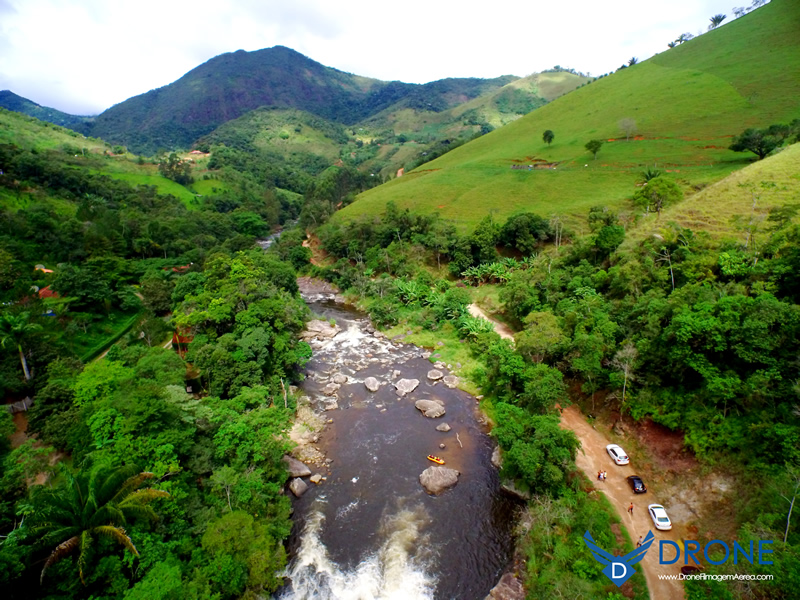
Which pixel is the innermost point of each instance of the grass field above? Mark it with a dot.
(687, 103)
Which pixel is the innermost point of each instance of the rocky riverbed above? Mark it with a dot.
(374, 517)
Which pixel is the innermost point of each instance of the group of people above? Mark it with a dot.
(601, 476)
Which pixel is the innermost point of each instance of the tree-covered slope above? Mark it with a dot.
(685, 105)
(229, 85)
(11, 101)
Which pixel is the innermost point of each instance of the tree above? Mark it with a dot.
(759, 141)
(624, 362)
(657, 193)
(632, 61)
(684, 37)
(548, 136)
(174, 168)
(542, 336)
(97, 502)
(716, 21)
(794, 478)
(594, 146)
(13, 330)
(628, 125)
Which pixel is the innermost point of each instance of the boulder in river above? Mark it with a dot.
(450, 381)
(508, 588)
(509, 487)
(340, 378)
(430, 408)
(497, 457)
(319, 330)
(435, 480)
(298, 486)
(316, 478)
(406, 386)
(295, 467)
(372, 384)
(331, 389)
(435, 374)
(443, 427)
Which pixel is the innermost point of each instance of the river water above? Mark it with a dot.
(369, 530)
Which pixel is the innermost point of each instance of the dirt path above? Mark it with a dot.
(503, 330)
(592, 458)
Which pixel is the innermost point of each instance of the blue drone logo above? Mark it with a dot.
(618, 568)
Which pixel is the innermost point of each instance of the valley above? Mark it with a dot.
(278, 330)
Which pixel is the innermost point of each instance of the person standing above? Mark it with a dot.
(639, 543)
(630, 509)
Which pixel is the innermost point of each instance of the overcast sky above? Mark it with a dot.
(82, 56)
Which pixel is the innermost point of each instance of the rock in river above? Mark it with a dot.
(508, 588)
(331, 389)
(450, 381)
(435, 480)
(497, 457)
(406, 386)
(319, 330)
(430, 408)
(443, 427)
(340, 378)
(295, 467)
(298, 486)
(372, 384)
(435, 374)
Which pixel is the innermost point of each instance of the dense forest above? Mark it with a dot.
(163, 469)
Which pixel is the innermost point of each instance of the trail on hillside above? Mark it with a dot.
(503, 330)
(592, 458)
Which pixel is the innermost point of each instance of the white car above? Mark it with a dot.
(659, 516)
(617, 454)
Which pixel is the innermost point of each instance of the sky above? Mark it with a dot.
(83, 56)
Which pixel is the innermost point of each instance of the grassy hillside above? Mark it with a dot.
(724, 207)
(686, 104)
(91, 154)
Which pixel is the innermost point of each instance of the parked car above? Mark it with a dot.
(637, 485)
(659, 516)
(617, 454)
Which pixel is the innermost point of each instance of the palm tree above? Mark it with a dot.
(716, 20)
(632, 61)
(94, 503)
(13, 329)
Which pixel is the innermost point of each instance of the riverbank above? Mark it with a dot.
(359, 410)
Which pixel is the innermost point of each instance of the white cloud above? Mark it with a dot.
(82, 56)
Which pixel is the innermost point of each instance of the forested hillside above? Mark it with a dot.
(163, 468)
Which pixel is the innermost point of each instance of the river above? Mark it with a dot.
(369, 530)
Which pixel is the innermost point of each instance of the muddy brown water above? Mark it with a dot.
(370, 531)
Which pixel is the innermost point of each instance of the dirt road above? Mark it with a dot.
(503, 330)
(592, 458)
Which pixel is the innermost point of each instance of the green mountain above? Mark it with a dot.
(677, 110)
(11, 101)
(230, 85)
